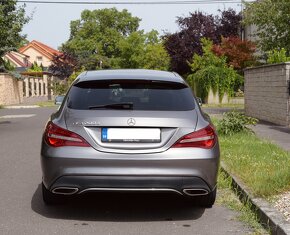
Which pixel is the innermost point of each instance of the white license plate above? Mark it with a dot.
(134, 135)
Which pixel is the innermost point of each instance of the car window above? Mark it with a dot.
(143, 94)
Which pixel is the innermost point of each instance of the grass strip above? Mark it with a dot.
(262, 166)
(46, 104)
(234, 106)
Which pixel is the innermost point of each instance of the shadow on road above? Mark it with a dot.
(281, 129)
(119, 208)
(5, 122)
(273, 126)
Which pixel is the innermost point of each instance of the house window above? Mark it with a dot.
(25, 61)
(39, 58)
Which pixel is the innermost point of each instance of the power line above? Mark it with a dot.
(131, 2)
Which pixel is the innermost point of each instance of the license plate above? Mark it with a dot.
(131, 135)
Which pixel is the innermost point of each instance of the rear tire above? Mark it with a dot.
(205, 201)
(50, 198)
(208, 200)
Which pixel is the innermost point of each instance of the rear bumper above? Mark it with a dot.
(86, 169)
(82, 184)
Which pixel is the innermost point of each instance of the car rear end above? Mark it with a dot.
(128, 131)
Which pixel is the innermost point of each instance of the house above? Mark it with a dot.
(18, 60)
(39, 53)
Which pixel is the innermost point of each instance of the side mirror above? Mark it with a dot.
(58, 100)
(199, 100)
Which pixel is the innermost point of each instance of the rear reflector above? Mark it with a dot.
(204, 138)
(56, 136)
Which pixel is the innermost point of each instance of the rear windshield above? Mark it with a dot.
(142, 94)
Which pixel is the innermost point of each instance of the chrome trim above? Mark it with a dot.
(131, 190)
(74, 190)
(187, 192)
(64, 137)
(197, 139)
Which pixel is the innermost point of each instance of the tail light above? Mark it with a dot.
(56, 136)
(204, 138)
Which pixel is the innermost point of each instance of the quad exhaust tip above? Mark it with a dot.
(195, 192)
(65, 190)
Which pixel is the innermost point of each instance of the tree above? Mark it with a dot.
(210, 71)
(229, 23)
(8, 66)
(181, 46)
(131, 50)
(63, 65)
(272, 19)
(239, 53)
(109, 38)
(141, 50)
(156, 57)
(94, 38)
(12, 20)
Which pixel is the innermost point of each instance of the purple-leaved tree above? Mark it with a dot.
(182, 45)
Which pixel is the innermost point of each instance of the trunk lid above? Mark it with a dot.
(91, 123)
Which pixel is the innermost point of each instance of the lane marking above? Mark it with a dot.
(18, 116)
(21, 106)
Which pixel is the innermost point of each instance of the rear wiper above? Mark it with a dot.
(113, 106)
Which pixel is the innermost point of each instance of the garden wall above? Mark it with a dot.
(11, 90)
(214, 99)
(267, 93)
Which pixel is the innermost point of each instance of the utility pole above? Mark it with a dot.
(242, 27)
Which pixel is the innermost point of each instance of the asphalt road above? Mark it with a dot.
(23, 212)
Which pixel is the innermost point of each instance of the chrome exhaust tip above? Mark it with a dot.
(195, 192)
(65, 190)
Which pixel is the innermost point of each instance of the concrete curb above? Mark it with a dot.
(268, 216)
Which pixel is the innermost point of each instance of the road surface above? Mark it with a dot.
(23, 212)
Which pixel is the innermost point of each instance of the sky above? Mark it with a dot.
(50, 23)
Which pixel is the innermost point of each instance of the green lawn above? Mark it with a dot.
(263, 167)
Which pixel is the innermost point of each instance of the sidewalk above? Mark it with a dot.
(279, 135)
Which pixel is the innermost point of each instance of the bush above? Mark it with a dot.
(210, 71)
(234, 122)
(61, 87)
(239, 93)
(35, 68)
(277, 56)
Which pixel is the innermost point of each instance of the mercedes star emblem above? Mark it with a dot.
(131, 122)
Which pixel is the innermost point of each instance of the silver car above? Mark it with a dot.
(130, 131)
